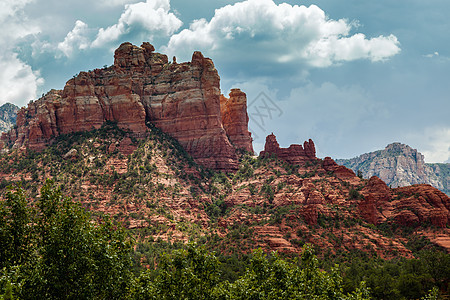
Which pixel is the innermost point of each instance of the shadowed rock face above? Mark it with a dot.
(295, 154)
(235, 119)
(181, 99)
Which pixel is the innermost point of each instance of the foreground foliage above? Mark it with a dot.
(400, 278)
(193, 273)
(50, 248)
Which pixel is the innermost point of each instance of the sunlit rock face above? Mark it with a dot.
(182, 99)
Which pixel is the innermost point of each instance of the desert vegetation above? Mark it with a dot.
(125, 218)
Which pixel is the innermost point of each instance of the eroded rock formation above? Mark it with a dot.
(235, 119)
(295, 154)
(183, 99)
(421, 204)
(376, 202)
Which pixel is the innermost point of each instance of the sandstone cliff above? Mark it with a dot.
(8, 115)
(142, 86)
(400, 165)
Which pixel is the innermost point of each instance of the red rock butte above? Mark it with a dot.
(182, 99)
(295, 154)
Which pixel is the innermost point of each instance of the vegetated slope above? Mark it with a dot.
(400, 165)
(157, 190)
(8, 115)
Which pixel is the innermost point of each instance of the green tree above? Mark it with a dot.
(275, 278)
(437, 265)
(17, 242)
(190, 273)
(193, 273)
(16, 233)
(76, 258)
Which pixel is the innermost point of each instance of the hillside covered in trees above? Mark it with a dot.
(183, 220)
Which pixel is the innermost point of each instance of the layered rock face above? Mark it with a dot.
(408, 206)
(420, 204)
(438, 175)
(295, 154)
(377, 196)
(400, 165)
(181, 99)
(397, 165)
(235, 119)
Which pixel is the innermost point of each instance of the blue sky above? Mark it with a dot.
(352, 75)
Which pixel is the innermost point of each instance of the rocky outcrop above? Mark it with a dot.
(376, 198)
(377, 190)
(295, 154)
(407, 206)
(424, 203)
(182, 99)
(341, 172)
(235, 119)
(400, 165)
(8, 115)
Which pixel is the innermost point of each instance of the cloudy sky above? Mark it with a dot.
(352, 75)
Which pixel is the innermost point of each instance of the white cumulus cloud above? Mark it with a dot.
(281, 34)
(76, 39)
(9, 8)
(151, 17)
(18, 82)
(430, 55)
(433, 142)
(115, 2)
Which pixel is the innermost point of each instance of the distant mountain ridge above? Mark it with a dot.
(8, 115)
(400, 165)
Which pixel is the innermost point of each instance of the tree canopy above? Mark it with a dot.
(51, 249)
